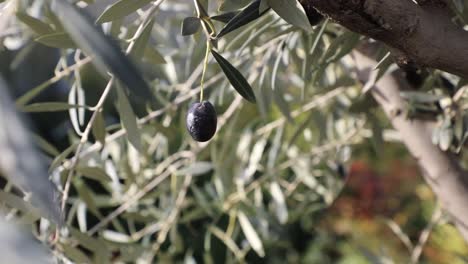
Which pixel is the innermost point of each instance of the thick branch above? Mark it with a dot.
(424, 33)
(440, 169)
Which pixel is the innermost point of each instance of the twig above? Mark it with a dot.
(424, 236)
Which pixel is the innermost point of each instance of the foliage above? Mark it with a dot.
(136, 187)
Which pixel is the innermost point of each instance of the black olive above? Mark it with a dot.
(201, 121)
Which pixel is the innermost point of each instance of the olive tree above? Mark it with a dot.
(219, 131)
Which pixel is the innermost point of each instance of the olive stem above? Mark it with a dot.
(205, 64)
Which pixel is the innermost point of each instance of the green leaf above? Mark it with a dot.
(46, 146)
(116, 237)
(190, 26)
(152, 55)
(88, 242)
(99, 128)
(57, 40)
(34, 24)
(225, 17)
(278, 96)
(75, 254)
(197, 168)
(247, 15)
(128, 118)
(94, 173)
(86, 195)
(251, 234)
(291, 11)
(279, 202)
(235, 78)
(142, 42)
(16, 202)
(263, 6)
(49, 107)
(121, 9)
(106, 52)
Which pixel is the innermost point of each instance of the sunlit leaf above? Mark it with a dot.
(251, 234)
(121, 9)
(197, 168)
(291, 11)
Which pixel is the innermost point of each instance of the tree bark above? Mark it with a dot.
(440, 169)
(422, 33)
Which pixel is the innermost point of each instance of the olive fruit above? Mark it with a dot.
(201, 121)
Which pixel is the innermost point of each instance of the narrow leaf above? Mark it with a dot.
(235, 78)
(128, 118)
(279, 202)
(57, 40)
(106, 52)
(46, 146)
(197, 168)
(291, 11)
(99, 128)
(251, 234)
(142, 42)
(152, 55)
(49, 107)
(121, 9)
(34, 24)
(247, 15)
(190, 26)
(94, 173)
(225, 17)
(58, 159)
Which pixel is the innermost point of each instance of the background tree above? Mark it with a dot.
(298, 87)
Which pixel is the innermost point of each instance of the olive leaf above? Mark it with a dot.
(59, 40)
(235, 78)
(292, 12)
(129, 119)
(121, 9)
(106, 52)
(247, 15)
(190, 26)
(50, 107)
(34, 24)
(225, 17)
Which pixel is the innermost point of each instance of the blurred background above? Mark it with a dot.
(312, 173)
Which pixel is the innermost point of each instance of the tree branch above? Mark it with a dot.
(424, 33)
(440, 169)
